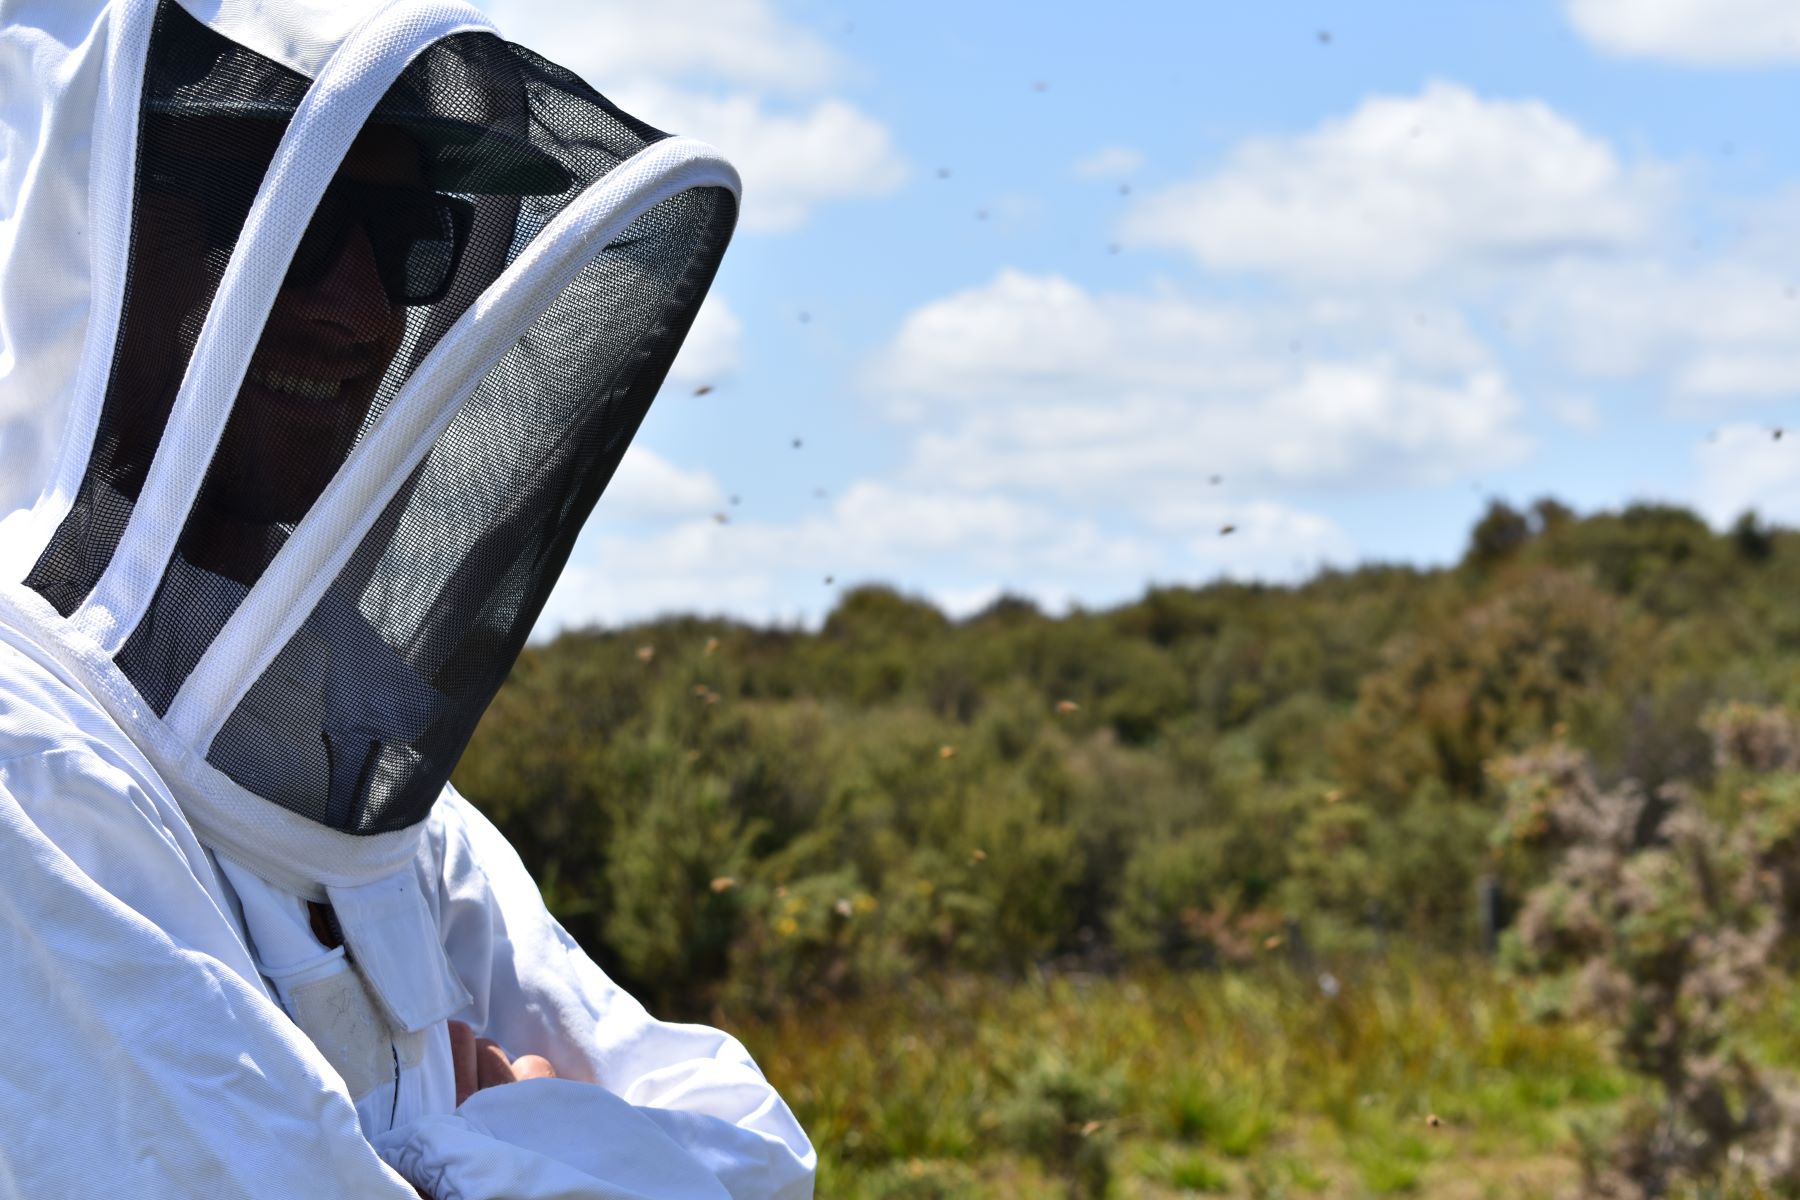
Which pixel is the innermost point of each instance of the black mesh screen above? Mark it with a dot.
(461, 562)
(422, 215)
(471, 153)
(469, 126)
(360, 719)
(181, 240)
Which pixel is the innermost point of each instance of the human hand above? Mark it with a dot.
(481, 1063)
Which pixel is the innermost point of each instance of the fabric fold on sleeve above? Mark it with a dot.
(547, 1139)
(141, 1060)
(536, 992)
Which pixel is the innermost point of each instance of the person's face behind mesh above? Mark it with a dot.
(329, 337)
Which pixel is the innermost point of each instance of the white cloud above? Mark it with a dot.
(1423, 202)
(1359, 426)
(731, 72)
(648, 485)
(791, 161)
(714, 345)
(619, 43)
(1254, 539)
(873, 531)
(1403, 187)
(1034, 383)
(1416, 204)
(959, 548)
(1723, 330)
(1109, 162)
(1692, 32)
(1744, 467)
(960, 602)
(1574, 412)
(1024, 335)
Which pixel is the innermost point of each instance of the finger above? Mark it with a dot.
(533, 1066)
(462, 1056)
(492, 1067)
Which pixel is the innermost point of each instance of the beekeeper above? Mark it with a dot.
(339, 316)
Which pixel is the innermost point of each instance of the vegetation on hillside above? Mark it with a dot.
(1032, 838)
(759, 818)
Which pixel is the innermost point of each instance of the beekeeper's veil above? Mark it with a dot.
(346, 312)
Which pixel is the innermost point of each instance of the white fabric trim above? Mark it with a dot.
(112, 172)
(283, 847)
(310, 560)
(328, 120)
(391, 930)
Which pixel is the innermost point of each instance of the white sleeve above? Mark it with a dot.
(681, 1112)
(140, 1059)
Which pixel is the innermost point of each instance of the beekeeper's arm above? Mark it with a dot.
(142, 1056)
(678, 1110)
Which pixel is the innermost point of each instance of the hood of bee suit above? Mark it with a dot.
(323, 327)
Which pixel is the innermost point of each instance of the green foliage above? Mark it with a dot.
(756, 817)
(1188, 1082)
(952, 880)
(1664, 922)
(1198, 1173)
(1501, 531)
(1059, 1116)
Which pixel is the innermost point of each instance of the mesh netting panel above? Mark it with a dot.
(360, 718)
(192, 169)
(475, 148)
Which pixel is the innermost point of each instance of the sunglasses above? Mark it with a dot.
(417, 235)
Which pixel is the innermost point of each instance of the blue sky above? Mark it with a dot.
(1052, 294)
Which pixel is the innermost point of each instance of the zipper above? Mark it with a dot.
(325, 925)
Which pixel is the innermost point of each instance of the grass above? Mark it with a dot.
(1197, 1173)
(1417, 1078)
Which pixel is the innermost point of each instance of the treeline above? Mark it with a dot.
(748, 816)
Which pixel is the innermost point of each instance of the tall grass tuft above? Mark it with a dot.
(1165, 1083)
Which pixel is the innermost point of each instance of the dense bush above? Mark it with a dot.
(727, 814)
(1662, 915)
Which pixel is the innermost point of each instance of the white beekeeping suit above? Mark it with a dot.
(340, 317)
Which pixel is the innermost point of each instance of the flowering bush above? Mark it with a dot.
(1663, 916)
